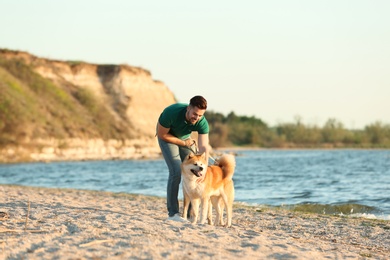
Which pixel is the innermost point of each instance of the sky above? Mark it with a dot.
(280, 61)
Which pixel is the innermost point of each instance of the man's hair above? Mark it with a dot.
(198, 101)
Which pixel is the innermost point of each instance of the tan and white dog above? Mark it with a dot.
(217, 187)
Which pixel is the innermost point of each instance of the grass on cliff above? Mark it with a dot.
(34, 107)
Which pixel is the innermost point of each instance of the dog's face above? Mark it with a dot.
(196, 164)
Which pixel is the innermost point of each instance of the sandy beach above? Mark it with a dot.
(42, 223)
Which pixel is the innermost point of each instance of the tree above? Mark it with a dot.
(333, 132)
(378, 133)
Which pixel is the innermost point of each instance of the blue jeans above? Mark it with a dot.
(173, 156)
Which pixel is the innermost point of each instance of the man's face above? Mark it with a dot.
(194, 114)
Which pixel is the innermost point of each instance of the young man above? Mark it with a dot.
(174, 127)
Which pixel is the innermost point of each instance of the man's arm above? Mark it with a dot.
(163, 133)
(203, 145)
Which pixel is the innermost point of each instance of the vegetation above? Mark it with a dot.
(34, 107)
(233, 130)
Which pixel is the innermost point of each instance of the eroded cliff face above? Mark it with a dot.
(130, 94)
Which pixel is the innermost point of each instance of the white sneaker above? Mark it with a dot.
(177, 218)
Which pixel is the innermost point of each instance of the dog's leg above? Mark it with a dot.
(210, 214)
(216, 204)
(231, 200)
(222, 207)
(195, 210)
(185, 204)
(229, 209)
(228, 199)
(204, 209)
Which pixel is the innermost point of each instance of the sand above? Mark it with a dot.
(42, 223)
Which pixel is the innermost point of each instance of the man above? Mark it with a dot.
(174, 128)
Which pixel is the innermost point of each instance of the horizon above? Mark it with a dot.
(276, 61)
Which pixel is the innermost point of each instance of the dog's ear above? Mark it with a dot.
(190, 155)
(203, 155)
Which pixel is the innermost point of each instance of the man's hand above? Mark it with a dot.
(189, 142)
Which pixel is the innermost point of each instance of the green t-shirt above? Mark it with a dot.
(174, 117)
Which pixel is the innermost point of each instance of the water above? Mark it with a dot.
(324, 181)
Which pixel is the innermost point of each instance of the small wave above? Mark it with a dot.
(302, 195)
(354, 210)
(371, 216)
(350, 210)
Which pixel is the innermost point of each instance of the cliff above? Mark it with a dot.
(63, 110)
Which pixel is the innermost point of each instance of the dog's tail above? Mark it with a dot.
(228, 163)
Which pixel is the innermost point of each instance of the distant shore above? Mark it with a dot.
(96, 149)
(43, 223)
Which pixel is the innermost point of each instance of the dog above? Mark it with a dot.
(217, 187)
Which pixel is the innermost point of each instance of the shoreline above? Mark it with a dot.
(47, 223)
(111, 152)
(240, 148)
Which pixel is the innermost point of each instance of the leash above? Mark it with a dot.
(194, 148)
